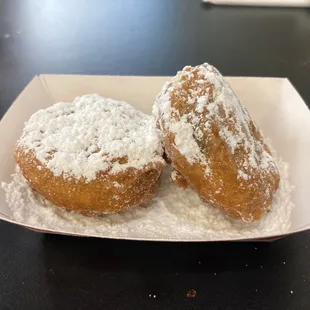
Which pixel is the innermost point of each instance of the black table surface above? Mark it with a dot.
(133, 37)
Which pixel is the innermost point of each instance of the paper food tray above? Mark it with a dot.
(274, 104)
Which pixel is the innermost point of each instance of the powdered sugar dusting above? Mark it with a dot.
(174, 175)
(90, 135)
(242, 175)
(175, 214)
(214, 103)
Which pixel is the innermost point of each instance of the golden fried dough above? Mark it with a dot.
(214, 145)
(94, 155)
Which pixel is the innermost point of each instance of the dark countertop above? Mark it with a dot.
(144, 37)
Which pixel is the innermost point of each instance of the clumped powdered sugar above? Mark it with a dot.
(185, 142)
(175, 214)
(91, 134)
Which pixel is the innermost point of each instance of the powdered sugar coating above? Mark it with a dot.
(215, 102)
(90, 135)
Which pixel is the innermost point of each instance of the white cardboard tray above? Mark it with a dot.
(273, 102)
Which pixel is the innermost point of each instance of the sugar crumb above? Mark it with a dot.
(191, 293)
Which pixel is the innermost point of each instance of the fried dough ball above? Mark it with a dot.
(94, 156)
(214, 145)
